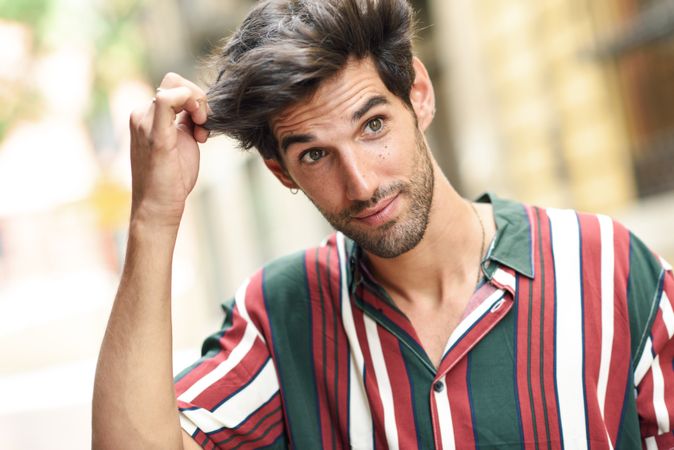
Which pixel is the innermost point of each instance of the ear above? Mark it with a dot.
(422, 95)
(280, 172)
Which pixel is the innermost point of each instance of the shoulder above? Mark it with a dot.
(291, 276)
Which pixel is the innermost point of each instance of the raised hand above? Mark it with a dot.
(164, 150)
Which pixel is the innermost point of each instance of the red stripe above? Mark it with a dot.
(536, 326)
(664, 348)
(459, 401)
(269, 438)
(371, 386)
(645, 407)
(620, 361)
(230, 339)
(254, 426)
(664, 441)
(225, 386)
(401, 388)
(546, 271)
(666, 360)
(312, 257)
(659, 332)
(258, 314)
(521, 365)
(389, 311)
(592, 320)
(667, 355)
(339, 393)
(228, 385)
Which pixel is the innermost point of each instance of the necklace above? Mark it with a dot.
(479, 270)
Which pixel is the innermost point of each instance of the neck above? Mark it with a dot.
(445, 263)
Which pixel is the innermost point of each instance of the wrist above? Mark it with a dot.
(161, 219)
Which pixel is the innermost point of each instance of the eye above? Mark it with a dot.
(313, 155)
(375, 125)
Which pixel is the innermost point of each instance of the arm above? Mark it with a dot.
(134, 402)
(653, 371)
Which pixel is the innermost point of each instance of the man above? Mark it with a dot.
(427, 321)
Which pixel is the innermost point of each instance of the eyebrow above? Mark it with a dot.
(371, 103)
(296, 139)
(376, 100)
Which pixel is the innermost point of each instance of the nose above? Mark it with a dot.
(358, 175)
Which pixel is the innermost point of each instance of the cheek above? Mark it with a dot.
(394, 157)
(384, 153)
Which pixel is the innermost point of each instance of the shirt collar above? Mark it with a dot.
(512, 245)
(512, 230)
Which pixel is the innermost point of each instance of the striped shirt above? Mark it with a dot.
(568, 345)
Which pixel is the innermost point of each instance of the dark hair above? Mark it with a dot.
(284, 49)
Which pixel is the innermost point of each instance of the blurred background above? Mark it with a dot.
(564, 103)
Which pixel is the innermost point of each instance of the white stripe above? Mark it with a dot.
(240, 300)
(504, 278)
(360, 418)
(445, 418)
(569, 320)
(644, 362)
(186, 424)
(667, 314)
(383, 382)
(474, 315)
(235, 357)
(607, 283)
(651, 444)
(659, 405)
(242, 404)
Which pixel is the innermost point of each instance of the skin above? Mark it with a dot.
(381, 180)
(432, 281)
(134, 403)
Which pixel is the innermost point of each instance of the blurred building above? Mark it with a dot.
(565, 103)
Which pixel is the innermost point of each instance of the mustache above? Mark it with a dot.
(381, 192)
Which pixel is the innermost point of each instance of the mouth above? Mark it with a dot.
(380, 213)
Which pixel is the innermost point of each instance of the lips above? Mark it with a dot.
(384, 211)
(375, 209)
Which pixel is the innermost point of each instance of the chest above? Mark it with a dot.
(515, 370)
(433, 330)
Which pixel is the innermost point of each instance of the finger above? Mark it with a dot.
(201, 134)
(199, 109)
(186, 124)
(168, 104)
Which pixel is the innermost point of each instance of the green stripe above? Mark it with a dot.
(645, 273)
(420, 385)
(492, 388)
(323, 335)
(289, 311)
(629, 435)
(211, 345)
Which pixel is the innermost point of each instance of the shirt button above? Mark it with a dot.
(439, 386)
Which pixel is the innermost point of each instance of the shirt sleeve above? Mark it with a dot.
(654, 365)
(230, 397)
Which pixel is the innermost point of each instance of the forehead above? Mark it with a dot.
(335, 98)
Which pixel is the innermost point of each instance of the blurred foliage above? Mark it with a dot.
(113, 29)
(119, 52)
(29, 12)
(19, 99)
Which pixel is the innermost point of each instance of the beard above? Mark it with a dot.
(402, 234)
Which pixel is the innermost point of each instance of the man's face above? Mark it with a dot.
(357, 153)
